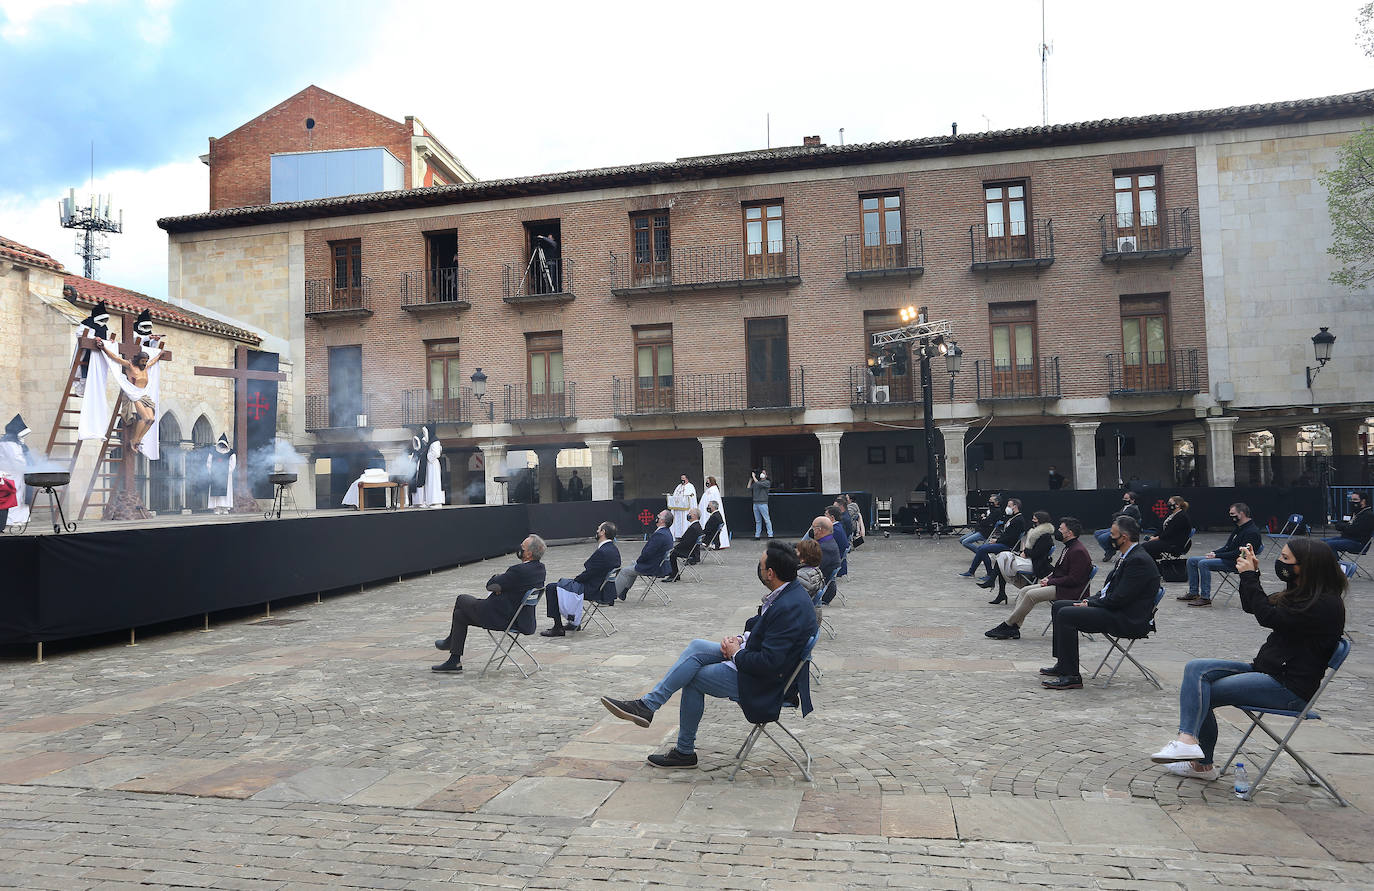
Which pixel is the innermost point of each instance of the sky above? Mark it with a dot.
(521, 88)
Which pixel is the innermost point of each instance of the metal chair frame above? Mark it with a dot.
(1228, 580)
(762, 728)
(697, 552)
(832, 579)
(510, 638)
(1114, 644)
(1354, 559)
(1092, 574)
(1256, 716)
(1288, 531)
(592, 609)
(714, 554)
(823, 624)
(654, 586)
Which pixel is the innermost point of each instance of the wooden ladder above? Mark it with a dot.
(63, 445)
(108, 467)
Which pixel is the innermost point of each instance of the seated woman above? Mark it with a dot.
(1177, 531)
(809, 573)
(1033, 558)
(1307, 619)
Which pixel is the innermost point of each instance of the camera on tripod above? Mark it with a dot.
(542, 273)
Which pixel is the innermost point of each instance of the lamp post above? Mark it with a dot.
(1322, 342)
(930, 345)
(479, 389)
(954, 360)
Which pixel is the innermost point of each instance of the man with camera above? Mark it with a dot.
(759, 484)
(1223, 559)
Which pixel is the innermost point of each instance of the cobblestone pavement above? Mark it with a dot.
(317, 749)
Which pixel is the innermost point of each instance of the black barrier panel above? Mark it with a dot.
(1207, 508)
(19, 588)
(579, 519)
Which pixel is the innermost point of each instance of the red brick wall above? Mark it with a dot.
(1077, 298)
(240, 162)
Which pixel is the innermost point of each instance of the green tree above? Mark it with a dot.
(1350, 205)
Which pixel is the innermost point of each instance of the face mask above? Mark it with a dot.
(1008, 510)
(1236, 520)
(1286, 572)
(1058, 536)
(1116, 542)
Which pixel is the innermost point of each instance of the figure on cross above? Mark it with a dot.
(139, 414)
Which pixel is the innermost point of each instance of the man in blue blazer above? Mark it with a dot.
(652, 557)
(508, 590)
(749, 668)
(588, 582)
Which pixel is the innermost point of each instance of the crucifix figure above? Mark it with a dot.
(241, 375)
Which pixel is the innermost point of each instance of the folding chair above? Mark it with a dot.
(1228, 581)
(832, 579)
(696, 553)
(882, 517)
(591, 609)
(1354, 563)
(714, 554)
(1289, 530)
(1114, 643)
(822, 623)
(510, 638)
(1092, 574)
(653, 585)
(743, 754)
(1256, 716)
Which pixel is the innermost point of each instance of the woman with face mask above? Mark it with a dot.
(1306, 620)
(1176, 533)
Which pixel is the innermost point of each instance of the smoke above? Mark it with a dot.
(405, 465)
(279, 454)
(44, 464)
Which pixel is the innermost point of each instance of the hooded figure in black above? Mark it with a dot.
(143, 326)
(95, 325)
(418, 446)
(220, 465)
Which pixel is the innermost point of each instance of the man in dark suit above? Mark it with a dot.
(750, 668)
(823, 531)
(651, 557)
(1129, 508)
(588, 582)
(1122, 607)
(507, 596)
(683, 549)
(837, 517)
(1067, 581)
(714, 520)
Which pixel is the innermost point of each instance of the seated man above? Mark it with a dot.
(1354, 534)
(837, 517)
(714, 521)
(1067, 581)
(749, 668)
(987, 527)
(1129, 508)
(651, 557)
(588, 583)
(822, 532)
(1200, 569)
(843, 517)
(507, 596)
(1122, 607)
(685, 545)
(1012, 530)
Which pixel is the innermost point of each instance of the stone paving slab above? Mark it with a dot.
(1249, 830)
(1347, 834)
(240, 780)
(1109, 823)
(551, 797)
(645, 802)
(401, 788)
(329, 785)
(759, 809)
(1003, 818)
(917, 815)
(34, 767)
(105, 773)
(172, 773)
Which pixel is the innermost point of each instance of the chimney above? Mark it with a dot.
(811, 140)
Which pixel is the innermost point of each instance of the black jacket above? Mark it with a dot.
(599, 565)
(777, 642)
(1301, 641)
(1360, 527)
(508, 589)
(1177, 532)
(1128, 510)
(1039, 555)
(1245, 534)
(690, 536)
(830, 555)
(1012, 532)
(712, 525)
(1130, 589)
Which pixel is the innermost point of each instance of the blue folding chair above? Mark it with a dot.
(1290, 529)
(1256, 715)
(762, 728)
(1114, 645)
(822, 623)
(1228, 581)
(509, 639)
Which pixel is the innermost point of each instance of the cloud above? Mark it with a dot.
(19, 16)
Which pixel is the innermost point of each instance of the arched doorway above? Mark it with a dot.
(197, 480)
(167, 475)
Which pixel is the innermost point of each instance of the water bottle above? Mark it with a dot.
(1242, 778)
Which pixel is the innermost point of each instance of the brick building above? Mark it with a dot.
(714, 314)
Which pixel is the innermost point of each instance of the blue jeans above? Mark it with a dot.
(761, 519)
(1200, 571)
(1208, 683)
(1104, 539)
(972, 540)
(1344, 545)
(699, 672)
(983, 554)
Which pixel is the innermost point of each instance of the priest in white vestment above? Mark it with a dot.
(684, 499)
(711, 494)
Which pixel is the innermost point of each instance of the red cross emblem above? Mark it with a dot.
(258, 407)
(645, 517)
(1161, 509)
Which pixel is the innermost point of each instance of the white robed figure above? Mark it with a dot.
(220, 465)
(14, 460)
(432, 493)
(684, 499)
(711, 494)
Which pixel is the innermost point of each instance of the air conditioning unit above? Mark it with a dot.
(1125, 245)
(880, 394)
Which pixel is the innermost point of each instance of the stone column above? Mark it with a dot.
(1084, 454)
(602, 480)
(1286, 455)
(548, 474)
(494, 462)
(712, 459)
(1221, 459)
(830, 461)
(956, 474)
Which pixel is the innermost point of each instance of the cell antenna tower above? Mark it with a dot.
(1045, 50)
(93, 222)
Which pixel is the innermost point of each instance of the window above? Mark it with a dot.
(765, 249)
(347, 292)
(444, 379)
(654, 368)
(766, 356)
(1005, 205)
(896, 376)
(441, 278)
(649, 247)
(543, 272)
(1013, 349)
(1145, 343)
(545, 353)
(881, 219)
(877, 454)
(1137, 211)
(905, 454)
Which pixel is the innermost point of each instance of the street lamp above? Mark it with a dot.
(1322, 342)
(954, 359)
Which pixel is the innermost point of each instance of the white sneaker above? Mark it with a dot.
(1177, 751)
(1185, 769)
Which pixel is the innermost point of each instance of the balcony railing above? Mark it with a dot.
(438, 289)
(773, 264)
(1128, 237)
(532, 282)
(325, 299)
(883, 254)
(1011, 246)
(558, 404)
(421, 407)
(1164, 371)
(708, 393)
(345, 414)
(1036, 379)
(899, 389)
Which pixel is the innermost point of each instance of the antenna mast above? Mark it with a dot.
(1045, 50)
(93, 223)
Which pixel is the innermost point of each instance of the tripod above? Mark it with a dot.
(543, 275)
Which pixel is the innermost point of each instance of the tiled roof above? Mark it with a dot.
(87, 292)
(13, 250)
(790, 158)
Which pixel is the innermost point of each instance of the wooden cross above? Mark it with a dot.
(241, 375)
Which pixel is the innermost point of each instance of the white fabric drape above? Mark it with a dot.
(227, 499)
(712, 493)
(95, 405)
